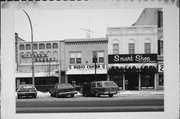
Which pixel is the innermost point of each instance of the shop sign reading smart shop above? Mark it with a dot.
(132, 58)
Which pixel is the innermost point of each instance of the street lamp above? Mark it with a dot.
(32, 52)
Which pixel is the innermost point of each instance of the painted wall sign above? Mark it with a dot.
(160, 68)
(132, 58)
(83, 67)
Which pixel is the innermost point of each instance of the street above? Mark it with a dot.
(90, 104)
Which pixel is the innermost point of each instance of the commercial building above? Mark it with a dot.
(132, 55)
(48, 57)
(86, 60)
(154, 16)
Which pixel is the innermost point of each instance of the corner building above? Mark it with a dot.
(132, 57)
(79, 55)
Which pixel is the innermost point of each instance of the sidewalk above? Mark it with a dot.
(141, 93)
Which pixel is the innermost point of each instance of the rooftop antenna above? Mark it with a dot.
(88, 32)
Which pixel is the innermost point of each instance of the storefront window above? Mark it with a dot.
(147, 81)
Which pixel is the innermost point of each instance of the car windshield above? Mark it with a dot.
(27, 87)
(64, 86)
(110, 84)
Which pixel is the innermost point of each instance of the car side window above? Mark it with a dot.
(93, 85)
(99, 84)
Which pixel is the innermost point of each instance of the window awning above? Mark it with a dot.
(87, 71)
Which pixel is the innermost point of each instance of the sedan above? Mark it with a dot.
(26, 90)
(61, 90)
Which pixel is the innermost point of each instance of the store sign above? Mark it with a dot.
(160, 68)
(132, 58)
(82, 67)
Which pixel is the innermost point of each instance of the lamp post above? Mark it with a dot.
(32, 52)
(95, 61)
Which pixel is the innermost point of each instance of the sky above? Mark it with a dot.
(63, 24)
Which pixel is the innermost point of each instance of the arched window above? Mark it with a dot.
(28, 46)
(21, 57)
(147, 46)
(48, 46)
(28, 57)
(35, 46)
(49, 56)
(55, 45)
(55, 55)
(131, 46)
(115, 46)
(21, 47)
(41, 46)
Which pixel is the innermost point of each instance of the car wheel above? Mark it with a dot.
(72, 95)
(110, 95)
(56, 95)
(97, 94)
(19, 97)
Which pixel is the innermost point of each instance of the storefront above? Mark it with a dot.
(43, 81)
(133, 71)
(86, 73)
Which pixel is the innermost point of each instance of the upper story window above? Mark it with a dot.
(99, 57)
(131, 48)
(41, 46)
(115, 48)
(48, 46)
(35, 46)
(147, 47)
(55, 45)
(75, 57)
(28, 46)
(21, 47)
(160, 47)
(160, 18)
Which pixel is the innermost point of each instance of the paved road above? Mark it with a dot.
(89, 104)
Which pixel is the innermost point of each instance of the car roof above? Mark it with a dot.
(101, 81)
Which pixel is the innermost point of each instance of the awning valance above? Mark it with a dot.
(132, 68)
(85, 72)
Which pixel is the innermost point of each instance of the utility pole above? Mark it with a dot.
(32, 52)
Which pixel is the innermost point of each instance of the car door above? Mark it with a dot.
(93, 88)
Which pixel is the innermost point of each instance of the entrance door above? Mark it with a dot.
(131, 81)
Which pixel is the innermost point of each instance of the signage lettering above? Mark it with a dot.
(132, 58)
(82, 67)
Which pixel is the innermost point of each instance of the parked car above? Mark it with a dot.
(63, 90)
(26, 90)
(98, 88)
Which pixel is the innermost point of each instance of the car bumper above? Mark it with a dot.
(108, 92)
(27, 93)
(67, 93)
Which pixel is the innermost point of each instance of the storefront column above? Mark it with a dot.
(108, 77)
(155, 79)
(139, 81)
(124, 85)
(66, 79)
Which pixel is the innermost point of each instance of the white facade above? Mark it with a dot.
(139, 35)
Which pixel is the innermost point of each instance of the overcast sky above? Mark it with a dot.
(67, 23)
